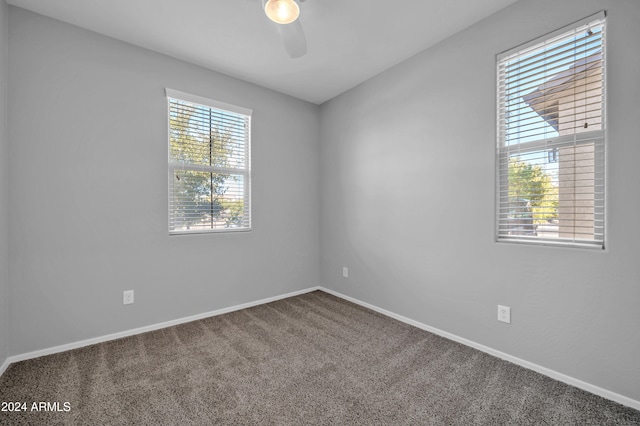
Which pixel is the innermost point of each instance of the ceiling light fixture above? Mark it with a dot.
(282, 11)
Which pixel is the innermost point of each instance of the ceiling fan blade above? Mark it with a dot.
(293, 38)
(295, 43)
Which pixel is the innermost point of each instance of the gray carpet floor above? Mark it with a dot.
(309, 359)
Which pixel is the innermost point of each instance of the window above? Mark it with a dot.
(551, 138)
(209, 165)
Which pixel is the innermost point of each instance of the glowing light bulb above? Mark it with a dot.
(282, 11)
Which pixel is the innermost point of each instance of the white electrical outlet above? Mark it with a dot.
(127, 297)
(504, 314)
(345, 272)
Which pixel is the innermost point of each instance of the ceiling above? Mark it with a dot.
(348, 41)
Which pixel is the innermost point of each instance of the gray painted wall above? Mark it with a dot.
(88, 160)
(4, 187)
(407, 198)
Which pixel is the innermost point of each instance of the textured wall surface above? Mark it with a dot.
(89, 214)
(407, 200)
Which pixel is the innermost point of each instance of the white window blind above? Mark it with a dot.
(209, 165)
(551, 138)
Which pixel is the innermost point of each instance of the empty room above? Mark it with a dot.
(319, 212)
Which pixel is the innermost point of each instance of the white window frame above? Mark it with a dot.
(504, 151)
(245, 172)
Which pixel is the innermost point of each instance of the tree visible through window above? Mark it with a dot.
(550, 152)
(209, 166)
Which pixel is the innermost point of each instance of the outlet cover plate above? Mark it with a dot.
(504, 314)
(127, 297)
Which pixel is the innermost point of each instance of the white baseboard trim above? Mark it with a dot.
(621, 399)
(153, 327)
(4, 366)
